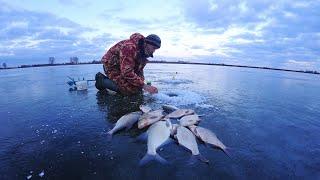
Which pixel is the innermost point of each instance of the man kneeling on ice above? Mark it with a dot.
(124, 62)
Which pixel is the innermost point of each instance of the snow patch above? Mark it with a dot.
(181, 97)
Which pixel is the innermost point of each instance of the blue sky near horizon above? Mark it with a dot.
(279, 33)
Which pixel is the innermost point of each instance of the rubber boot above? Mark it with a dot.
(103, 82)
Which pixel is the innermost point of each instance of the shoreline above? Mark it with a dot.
(166, 62)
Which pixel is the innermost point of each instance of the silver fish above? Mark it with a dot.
(180, 113)
(189, 120)
(150, 118)
(187, 139)
(169, 108)
(158, 134)
(125, 121)
(209, 137)
(145, 109)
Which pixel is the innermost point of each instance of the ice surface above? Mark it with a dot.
(178, 98)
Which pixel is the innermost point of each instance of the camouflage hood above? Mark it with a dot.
(136, 37)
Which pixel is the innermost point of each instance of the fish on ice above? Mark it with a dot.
(125, 121)
(188, 140)
(209, 137)
(158, 134)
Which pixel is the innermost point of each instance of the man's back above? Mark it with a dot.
(124, 64)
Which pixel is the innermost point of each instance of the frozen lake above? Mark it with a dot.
(270, 119)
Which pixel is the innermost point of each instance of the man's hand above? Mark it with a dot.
(150, 89)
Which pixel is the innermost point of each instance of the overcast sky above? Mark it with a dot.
(279, 33)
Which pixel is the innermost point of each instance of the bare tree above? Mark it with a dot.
(51, 60)
(74, 60)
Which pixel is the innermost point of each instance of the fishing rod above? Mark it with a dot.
(79, 84)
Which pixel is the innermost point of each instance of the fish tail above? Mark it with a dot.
(227, 151)
(148, 157)
(161, 159)
(202, 158)
(142, 137)
(109, 135)
(128, 127)
(196, 158)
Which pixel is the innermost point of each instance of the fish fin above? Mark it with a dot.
(202, 158)
(168, 141)
(206, 144)
(168, 123)
(196, 132)
(111, 128)
(161, 159)
(128, 127)
(226, 150)
(196, 158)
(142, 137)
(148, 157)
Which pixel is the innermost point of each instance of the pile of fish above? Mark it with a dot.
(161, 130)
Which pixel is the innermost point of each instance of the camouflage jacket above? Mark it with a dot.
(124, 63)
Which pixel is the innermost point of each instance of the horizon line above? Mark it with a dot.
(167, 62)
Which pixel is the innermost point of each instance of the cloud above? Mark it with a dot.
(136, 23)
(211, 14)
(37, 35)
(72, 3)
(247, 32)
(259, 32)
(66, 2)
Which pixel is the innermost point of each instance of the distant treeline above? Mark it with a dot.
(256, 67)
(56, 64)
(167, 62)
